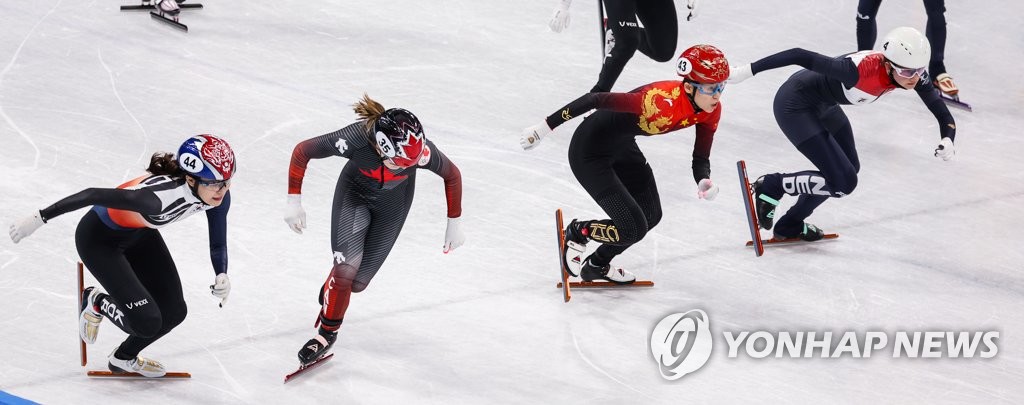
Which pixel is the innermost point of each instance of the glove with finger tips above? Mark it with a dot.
(294, 215)
(533, 135)
(560, 19)
(945, 150)
(706, 190)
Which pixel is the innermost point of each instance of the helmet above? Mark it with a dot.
(703, 64)
(399, 136)
(207, 157)
(907, 48)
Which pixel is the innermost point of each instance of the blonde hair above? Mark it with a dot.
(368, 110)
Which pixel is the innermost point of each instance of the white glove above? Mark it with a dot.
(706, 190)
(692, 5)
(945, 150)
(739, 74)
(294, 215)
(221, 288)
(26, 226)
(453, 236)
(560, 19)
(532, 135)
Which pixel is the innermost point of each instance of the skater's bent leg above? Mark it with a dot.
(867, 28)
(623, 24)
(791, 224)
(100, 249)
(335, 296)
(639, 181)
(156, 271)
(935, 30)
(661, 29)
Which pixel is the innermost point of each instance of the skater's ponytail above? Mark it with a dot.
(164, 164)
(368, 110)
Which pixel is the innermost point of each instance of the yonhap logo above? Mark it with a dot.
(681, 343)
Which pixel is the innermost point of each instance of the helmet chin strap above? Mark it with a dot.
(194, 187)
(892, 71)
(691, 95)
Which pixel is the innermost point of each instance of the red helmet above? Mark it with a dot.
(399, 135)
(703, 64)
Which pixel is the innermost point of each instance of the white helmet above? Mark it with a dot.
(906, 47)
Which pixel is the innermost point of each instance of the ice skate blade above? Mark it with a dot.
(793, 241)
(310, 366)
(147, 7)
(607, 284)
(172, 22)
(171, 375)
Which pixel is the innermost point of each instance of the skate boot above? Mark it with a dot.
(89, 318)
(944, 82)
(317, 347)
(764, 205)
(167, 8)
(575, 246)
(139, 364)
(591, 272)
(810, 233)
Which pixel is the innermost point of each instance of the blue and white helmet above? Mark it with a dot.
(207, 157)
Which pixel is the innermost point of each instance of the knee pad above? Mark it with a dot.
(653, 218)
(849, 183)
(342, 275)
(147, 324)
(340, 279)
(663, 55)
(634, 232)
(174, 317)
(336, 292)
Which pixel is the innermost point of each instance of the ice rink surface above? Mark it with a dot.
(88, 93)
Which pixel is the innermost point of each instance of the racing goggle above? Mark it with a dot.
(906, 73)
(217, 185)
(710, 89)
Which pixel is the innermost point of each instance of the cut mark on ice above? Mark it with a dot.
(113, 86)
(576, 343)
(3, 73)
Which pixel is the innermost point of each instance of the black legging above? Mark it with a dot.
(867, 30)
(613, 170)
(657, 39)
(822, 133)
(365, 225)
(135, 268)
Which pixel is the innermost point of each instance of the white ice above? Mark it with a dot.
(88, 93)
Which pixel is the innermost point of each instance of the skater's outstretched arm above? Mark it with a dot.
(338, 143)
(621, 102)
(947, 126)
(342, 142)
(930, 96)
(217, 220)
(142, 201)
(842, 68)
(439, 163)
